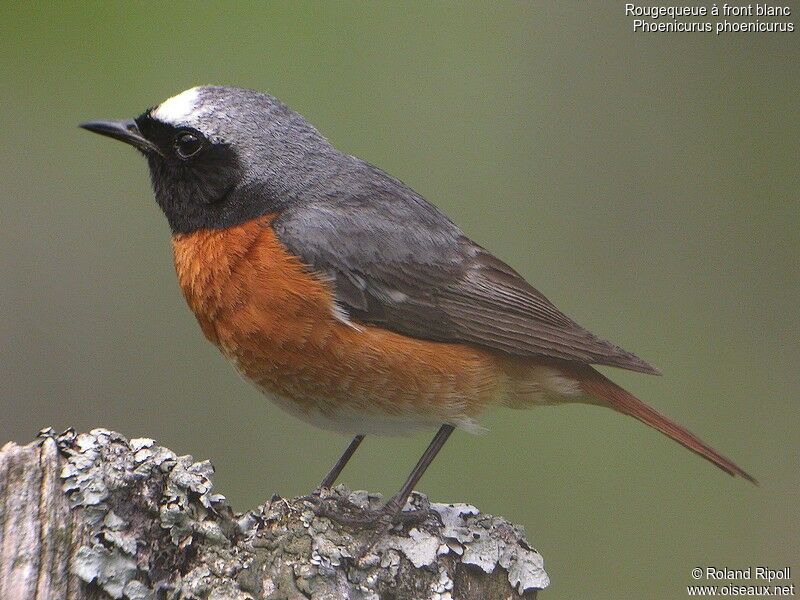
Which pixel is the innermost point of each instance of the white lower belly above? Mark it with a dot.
(346, 420)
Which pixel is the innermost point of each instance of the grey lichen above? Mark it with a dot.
(151, 527)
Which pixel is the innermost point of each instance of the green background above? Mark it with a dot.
(647, 183)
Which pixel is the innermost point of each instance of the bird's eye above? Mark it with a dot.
(187, 144)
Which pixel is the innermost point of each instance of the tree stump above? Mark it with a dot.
(96, 516)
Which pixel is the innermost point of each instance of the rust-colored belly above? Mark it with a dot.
(275, 321)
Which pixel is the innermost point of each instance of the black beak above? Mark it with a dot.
(124, 131)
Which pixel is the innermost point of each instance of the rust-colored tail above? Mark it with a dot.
(612, 395)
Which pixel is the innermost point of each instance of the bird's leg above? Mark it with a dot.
(395, 505)
(315, 498)
(334, 473)
(392, 511)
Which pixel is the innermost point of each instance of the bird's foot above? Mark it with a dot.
(386, 516)
(344, 511)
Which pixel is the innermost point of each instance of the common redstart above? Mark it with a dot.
(346, 297)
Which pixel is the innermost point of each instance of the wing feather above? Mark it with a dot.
(397, 262)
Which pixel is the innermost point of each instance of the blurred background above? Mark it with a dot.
(646, 183)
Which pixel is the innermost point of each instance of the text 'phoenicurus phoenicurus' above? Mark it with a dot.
(345, 296)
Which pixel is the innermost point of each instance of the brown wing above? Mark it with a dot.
(495, 306)
(399, 263)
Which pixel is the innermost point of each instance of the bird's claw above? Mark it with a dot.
(345, 512)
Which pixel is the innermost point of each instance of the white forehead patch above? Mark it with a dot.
(180, 109)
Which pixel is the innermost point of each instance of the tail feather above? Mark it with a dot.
(612, 395)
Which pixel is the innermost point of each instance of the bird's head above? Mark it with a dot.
(219, 156)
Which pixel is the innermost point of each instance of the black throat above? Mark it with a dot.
(210, 196)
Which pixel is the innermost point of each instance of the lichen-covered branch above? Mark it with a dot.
(96, 516)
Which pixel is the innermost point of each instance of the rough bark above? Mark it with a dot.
(95, 516)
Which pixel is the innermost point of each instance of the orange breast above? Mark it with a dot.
(275, 321)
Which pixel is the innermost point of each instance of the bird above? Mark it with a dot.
(347, 298)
